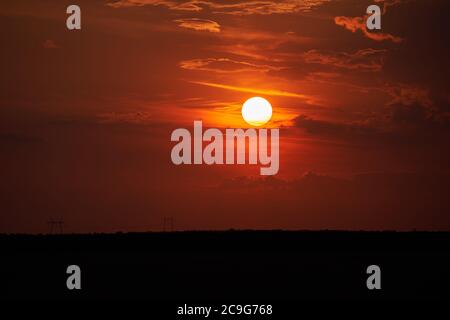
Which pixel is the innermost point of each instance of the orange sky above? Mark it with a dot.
(86, 115)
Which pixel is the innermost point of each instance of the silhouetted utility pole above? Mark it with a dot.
(55, 225)
(168, 224)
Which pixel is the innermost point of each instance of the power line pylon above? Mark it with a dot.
(168, 224)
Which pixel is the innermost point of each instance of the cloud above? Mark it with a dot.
(235, 8)
(359, 23)
(130, 117)
(412, 108)
(332, 129)
(224, 65)
(199, 24)
(268, 92)
(173, 5)
(411, 115)
(409, 95)
(50, 44)
(364, 60)
(266, 7)
(387, 3)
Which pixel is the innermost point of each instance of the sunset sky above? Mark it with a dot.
(86, 116)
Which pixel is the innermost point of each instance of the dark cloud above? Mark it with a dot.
(333, 129)
(413, 109)
(363, 60)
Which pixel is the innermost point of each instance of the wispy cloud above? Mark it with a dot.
(387, 3)
(359, 23)
(128, 117)
(336, 130)
(199, 24)
(363, 60)
(224, 65)
(409, 95)
(267, 92)
(235, 8)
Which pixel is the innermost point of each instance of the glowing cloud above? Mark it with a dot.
(224, 65)
(359, 23)
(199, 24)
(236, 8)
(267, 92)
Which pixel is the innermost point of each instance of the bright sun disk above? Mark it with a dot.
(257, 111)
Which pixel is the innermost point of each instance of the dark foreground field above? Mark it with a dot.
(250, 266)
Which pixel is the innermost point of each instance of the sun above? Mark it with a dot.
(256, 111)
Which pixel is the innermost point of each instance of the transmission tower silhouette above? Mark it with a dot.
(168, 224)
(55, 226)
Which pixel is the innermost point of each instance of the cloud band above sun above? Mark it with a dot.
(224, 65)
(267, 92)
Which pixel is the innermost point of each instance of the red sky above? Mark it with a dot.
(86, 116)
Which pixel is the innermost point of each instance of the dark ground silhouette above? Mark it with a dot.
(227, 266)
